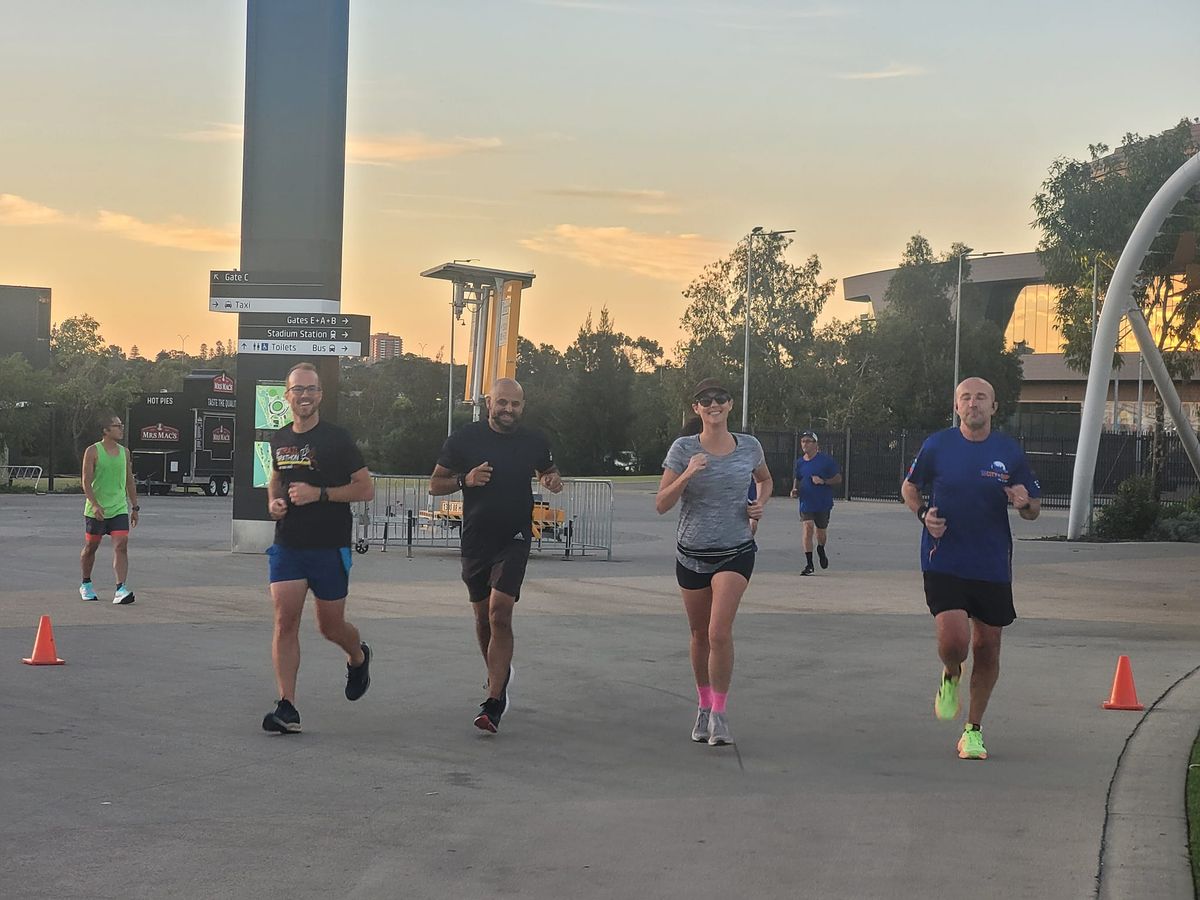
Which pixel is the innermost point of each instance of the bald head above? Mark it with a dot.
(975, 403)
(506, 404)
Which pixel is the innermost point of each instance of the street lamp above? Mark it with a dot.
(757, 231)
(183, 344)
(958, 323)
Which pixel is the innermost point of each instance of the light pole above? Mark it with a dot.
(456, 308)
(958, 323)
(183, 345)
(755, 231)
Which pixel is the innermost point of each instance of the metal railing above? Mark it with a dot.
(577, 521)
(11, 474)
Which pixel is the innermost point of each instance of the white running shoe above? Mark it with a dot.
(87, 591)
(123, 596)
(700, 730)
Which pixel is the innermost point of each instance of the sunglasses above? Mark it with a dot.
(707, 400)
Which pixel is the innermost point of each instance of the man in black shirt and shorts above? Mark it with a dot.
(318, 472)
(492, 463)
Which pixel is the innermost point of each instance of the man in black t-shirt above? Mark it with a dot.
(317, 472)
(492, 463)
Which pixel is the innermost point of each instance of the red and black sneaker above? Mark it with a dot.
(490, 711)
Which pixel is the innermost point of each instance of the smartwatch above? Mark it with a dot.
(135, 508)
(922, 512)
(324, 495)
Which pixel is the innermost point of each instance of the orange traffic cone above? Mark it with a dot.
(44, 652)
(1124, 695)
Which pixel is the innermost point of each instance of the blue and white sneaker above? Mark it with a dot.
(123, 596)
(87, 591)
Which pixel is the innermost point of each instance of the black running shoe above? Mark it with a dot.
(808, 570)
(489, 715)
(822, 557)
(358, 678)
(284, 719)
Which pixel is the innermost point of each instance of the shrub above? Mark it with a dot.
(1133, 512)
(1184, 525)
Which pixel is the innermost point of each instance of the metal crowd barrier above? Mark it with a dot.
(577, 521)
(10, 474)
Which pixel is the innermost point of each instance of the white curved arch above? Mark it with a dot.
(1119, 301)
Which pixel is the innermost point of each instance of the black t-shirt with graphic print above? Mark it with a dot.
(325, 456)
(501, 510)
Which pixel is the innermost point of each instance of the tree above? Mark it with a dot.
(786, 302)
(595, 420)
(22, 413)
(912, 348)
(1087, 209)
(76, 337)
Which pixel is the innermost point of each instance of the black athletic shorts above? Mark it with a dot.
(820, 519)
(991, 602)
(502, 569)
(94, 529)
(743, 564)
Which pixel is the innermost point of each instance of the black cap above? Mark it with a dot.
(710, 384)
(811, 434)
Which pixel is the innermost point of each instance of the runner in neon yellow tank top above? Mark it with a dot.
(111, 507)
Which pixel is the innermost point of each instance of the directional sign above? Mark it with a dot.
(231, 291)
(271, 305)
(300, 348)
(304, 327)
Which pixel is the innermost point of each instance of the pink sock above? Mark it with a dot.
(718, 701)
(705, 694)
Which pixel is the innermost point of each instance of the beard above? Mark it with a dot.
(506, 421)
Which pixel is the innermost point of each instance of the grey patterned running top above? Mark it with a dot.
(712, 509)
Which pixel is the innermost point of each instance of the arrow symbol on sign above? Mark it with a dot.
(345, 321)
(345, 334)
(345, 349)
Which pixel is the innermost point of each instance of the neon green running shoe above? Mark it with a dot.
(970, 745)
(945, 702)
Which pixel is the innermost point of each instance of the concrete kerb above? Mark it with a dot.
(1144, 843)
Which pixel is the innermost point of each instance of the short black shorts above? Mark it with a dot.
(94, 529)
(991, 602)
(820, 519)
(743, 564)
(502, 569)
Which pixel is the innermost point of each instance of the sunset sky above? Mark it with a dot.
(613, 147)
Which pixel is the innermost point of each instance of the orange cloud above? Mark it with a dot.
(176, 232)
(371, 151)
(16, 210)
(668, 257)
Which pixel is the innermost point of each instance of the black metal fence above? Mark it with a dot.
(874, 462)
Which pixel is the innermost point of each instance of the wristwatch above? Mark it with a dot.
(135, 508)
(462, 481)
(324, 495)
(922, 512)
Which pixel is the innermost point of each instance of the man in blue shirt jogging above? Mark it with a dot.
(972, 474)
(816, 475)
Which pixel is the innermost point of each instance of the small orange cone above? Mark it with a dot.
(1124, 695)
(44, 652)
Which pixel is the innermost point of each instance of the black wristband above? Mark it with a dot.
(462, 481)
(922, 511)
(324, 495)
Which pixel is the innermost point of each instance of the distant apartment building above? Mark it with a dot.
(385, 346)
(25, 312)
